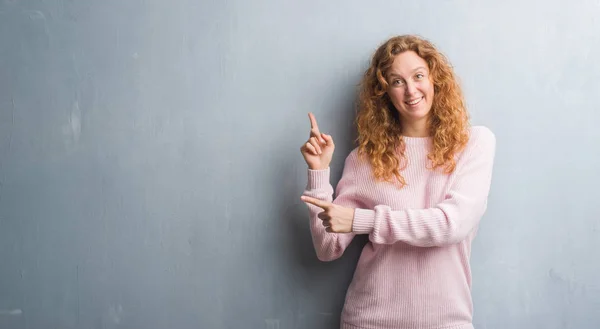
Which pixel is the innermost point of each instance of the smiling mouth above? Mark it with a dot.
(414, 101)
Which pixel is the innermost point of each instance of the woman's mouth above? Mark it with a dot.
(414, 102)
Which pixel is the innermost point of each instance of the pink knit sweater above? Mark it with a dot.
(414, 273)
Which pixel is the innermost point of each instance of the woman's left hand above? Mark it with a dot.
(336, 219)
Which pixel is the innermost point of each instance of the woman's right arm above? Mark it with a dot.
(330, 246)
(317, 153)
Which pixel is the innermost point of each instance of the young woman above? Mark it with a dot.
(417, 184)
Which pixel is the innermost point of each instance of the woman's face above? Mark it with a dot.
(410, 87)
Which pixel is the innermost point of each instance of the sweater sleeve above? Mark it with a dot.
(450, 221)
(330, 246)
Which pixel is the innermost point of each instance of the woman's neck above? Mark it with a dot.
(416, 129)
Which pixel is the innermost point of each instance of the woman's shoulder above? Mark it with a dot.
(481, 136)
(353, 156)
(479, 131)
(355, 160)
(481, 144)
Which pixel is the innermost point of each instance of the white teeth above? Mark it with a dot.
(414, 101)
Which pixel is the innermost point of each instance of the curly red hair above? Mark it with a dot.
(378, 121)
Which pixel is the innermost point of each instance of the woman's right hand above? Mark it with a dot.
(318, 150)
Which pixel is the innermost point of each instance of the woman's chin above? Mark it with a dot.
(415, 114)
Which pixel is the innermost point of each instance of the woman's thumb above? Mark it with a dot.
(328, 139)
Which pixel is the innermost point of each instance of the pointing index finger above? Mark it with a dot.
(314, 127)
(316, 202)
(313, 123)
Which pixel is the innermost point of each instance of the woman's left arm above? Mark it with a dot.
(452, 220)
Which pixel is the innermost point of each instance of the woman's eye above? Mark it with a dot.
(420, 76)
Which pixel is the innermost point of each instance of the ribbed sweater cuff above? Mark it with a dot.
(364, 221)
(318, 178)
